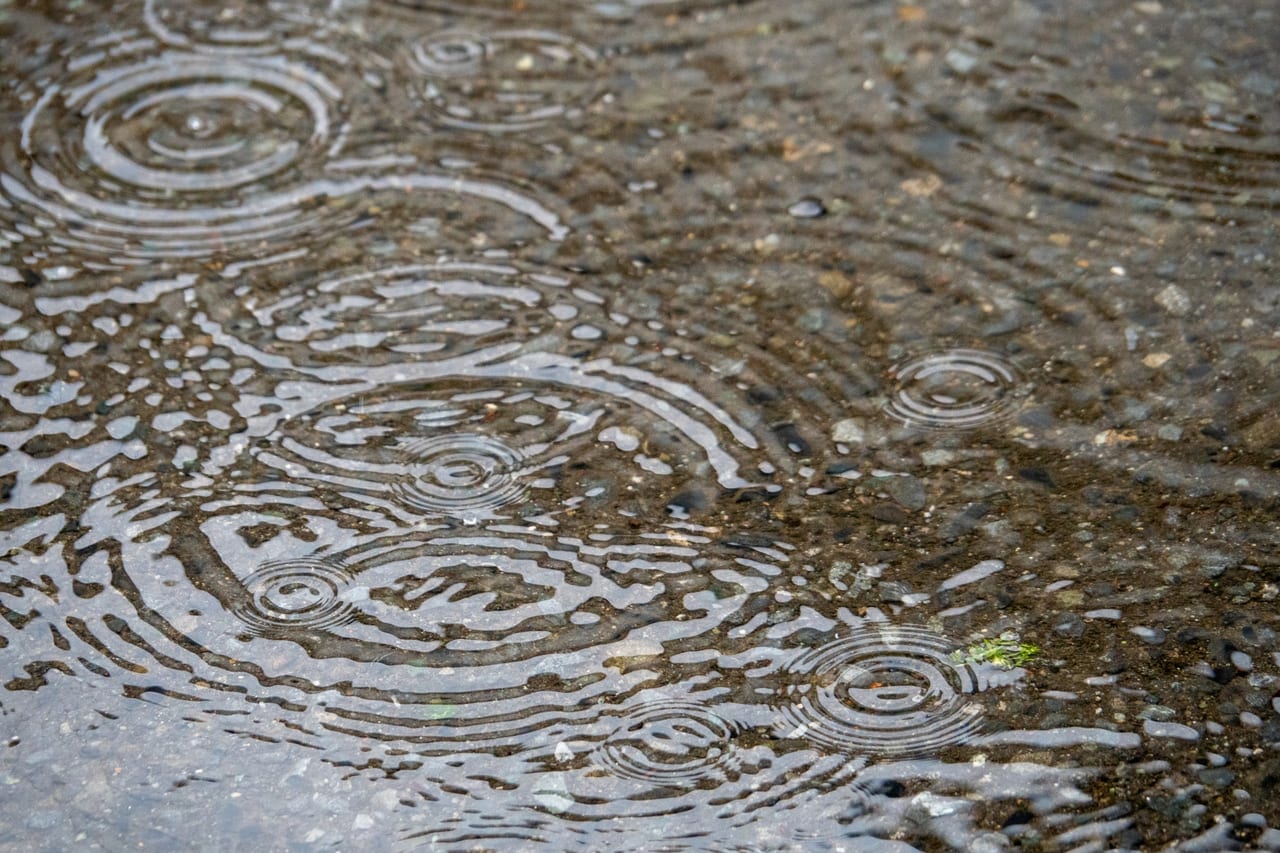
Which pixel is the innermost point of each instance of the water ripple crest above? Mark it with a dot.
(501, 81)
(675, 743)
(231, 26)
(296, 594)
(140, 155)
(890, 691)
(954, 389)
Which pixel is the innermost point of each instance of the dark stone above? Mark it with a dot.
(964, 521)
(1068, 625)
(889, 514)
(1217, 777)
(1038, 476)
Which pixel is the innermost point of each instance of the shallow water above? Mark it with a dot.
(637, 425)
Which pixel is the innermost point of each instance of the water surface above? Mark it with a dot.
(632, 425)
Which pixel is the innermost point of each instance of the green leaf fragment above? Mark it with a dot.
(1004, 651)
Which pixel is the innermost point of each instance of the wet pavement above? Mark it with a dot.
(662, 425)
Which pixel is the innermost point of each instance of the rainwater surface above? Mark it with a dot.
(648, 425)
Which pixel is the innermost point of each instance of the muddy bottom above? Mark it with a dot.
(655, 425)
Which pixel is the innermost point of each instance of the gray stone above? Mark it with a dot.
(1068, 625)
(907, 491)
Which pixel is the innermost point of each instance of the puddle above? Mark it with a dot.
(654, 425)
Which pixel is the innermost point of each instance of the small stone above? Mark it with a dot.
(964, 521)
(836, 283)
(907, 491)
(937, 458)
(1169, 432)
(807, 208)
(1159, 713)
(1068, 625)
(813, 320)
(1174, 300)
(1156, 359)
(850, 431)
(42, 341)
(768, 244)
(893, 592)
(1217, 91)
(1176, 731)
(921, 187)
(960, 62)
(1217, 777)
(1260, 84)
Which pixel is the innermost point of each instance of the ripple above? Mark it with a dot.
(190, 124)
(587, 407)
(1089, 163)
(449, 641)
(468, 449)
(208, 130)
(230, 25)
(459, 474)
(394, 313)
(953, 389)
(502, 81)
(543, 9)
(675, 743)
(180, 154)
(296, 594)
(889, 691)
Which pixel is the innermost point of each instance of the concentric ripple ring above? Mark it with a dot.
(190, 124)
(459, 474)
(501, 81)
(231, 26)
(674, 743)
(889, 692)
(953, 389)
(148, 155)
(296, 594)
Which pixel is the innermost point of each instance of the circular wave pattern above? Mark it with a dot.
(562, 396)
(181, 155)
(450, 641)
(502, 81)
(553, 9)
(890, 692)
(483, 447)
(229, 25)
(670, 743)
(953, 389)
(296, 594)
(172, 155)
(460, 474)
(189, 124)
